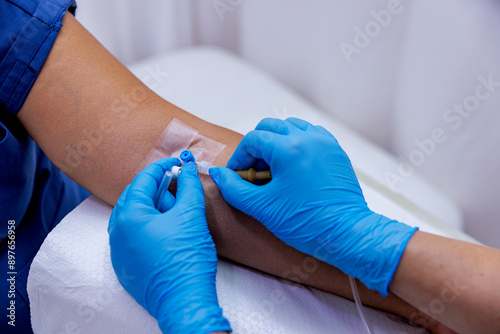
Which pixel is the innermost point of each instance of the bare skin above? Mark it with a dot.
(85, 104)
(454, 281)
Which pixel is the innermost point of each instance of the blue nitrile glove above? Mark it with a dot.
(314, 202)
(167, 261)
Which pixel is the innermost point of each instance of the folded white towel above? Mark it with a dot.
(73, 289)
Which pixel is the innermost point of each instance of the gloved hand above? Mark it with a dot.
(313, 202)
(167, 261)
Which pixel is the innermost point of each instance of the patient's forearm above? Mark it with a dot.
(85, 101)
(453, 280)
(94, 119)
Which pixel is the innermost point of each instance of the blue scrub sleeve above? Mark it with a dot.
(33, 192)
(28, 29)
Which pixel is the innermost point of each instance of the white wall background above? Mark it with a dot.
(404, 83)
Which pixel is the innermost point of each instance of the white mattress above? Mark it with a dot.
(72, 285)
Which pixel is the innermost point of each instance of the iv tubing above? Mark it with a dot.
(165, 182)
(359, 305)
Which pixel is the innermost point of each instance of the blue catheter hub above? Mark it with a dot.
(187, 156)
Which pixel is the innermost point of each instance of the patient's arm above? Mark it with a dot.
(453, 280)
(84, 98)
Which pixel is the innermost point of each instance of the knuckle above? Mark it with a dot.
(296, 146)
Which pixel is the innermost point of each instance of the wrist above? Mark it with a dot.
(370, 250)
(385, 244)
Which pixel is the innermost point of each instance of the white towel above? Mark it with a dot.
(73, 289)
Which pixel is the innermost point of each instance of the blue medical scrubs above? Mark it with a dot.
(34, 195)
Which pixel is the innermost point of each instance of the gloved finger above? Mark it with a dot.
(119, 204)
(123, 196)
(256, 145)
(233, 188)
(189, 189)
(325, 131)
(261, 165)
(167, 202)
(274, 125)
(300, 123)
(145, 185)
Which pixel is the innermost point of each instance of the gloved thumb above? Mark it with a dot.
(236, 191)
(189, 188)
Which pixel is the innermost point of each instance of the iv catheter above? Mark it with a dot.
(186, 156)
(250, 175)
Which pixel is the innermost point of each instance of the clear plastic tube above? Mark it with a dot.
(203, 167)
(359, 305)
(165, 182)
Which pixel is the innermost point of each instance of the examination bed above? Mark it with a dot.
(72, 286)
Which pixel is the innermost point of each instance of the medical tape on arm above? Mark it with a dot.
(178, 137)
